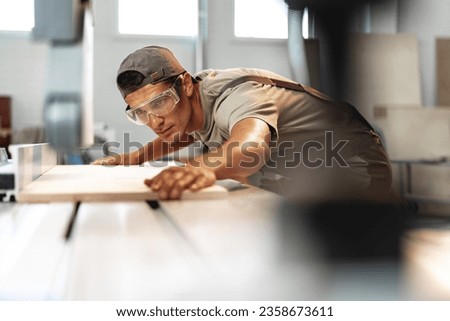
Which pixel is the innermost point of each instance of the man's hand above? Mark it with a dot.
(118, 159)
(108, 160)
(170, 183)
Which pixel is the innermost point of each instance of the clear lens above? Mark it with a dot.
(159, 106)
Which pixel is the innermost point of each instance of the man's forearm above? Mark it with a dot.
(234, 160)
(158, 149)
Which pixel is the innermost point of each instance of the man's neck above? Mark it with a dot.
(197, 117)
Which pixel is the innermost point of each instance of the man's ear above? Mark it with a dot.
(188, 85)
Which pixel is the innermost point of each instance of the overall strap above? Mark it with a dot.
(292, 86)
(263, 80)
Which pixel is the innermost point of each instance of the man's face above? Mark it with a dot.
(162, 109)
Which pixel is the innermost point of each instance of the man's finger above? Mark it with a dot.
(182, 184)
(200, 182)
(169, 179)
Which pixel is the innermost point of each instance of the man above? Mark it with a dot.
(257, 127)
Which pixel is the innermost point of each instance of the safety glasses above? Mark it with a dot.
(160, 105)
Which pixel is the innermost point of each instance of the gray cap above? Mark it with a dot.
(155, 63)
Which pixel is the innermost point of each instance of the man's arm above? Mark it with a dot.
(244, 153)
(151, 151)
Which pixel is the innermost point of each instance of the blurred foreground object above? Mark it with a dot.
(357, 243)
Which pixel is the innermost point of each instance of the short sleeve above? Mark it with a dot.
(248, 100)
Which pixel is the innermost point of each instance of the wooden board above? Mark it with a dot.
(91, 183)
(414, 133)
(5, 122)
(443, 71)
(383, 69)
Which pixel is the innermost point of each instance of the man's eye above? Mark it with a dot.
(159, 103)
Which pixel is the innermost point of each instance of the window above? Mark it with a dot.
(157, 17)
(305, 24)
(17, 15)
(260, 19)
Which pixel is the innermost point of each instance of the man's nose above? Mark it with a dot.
(156, 121)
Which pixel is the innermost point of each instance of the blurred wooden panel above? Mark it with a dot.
(414, 133)
(383, 69)
(5, 111)
(5, 122)
(431, 180)
(443, 71)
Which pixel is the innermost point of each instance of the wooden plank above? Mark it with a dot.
(5, 112)
(382, 69)
(443, 71)
(431, 180)
(92, 183)
(414, 133)
(5, 122)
